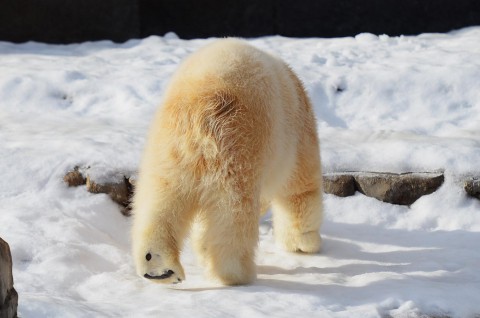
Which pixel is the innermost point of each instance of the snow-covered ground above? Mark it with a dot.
(383, 104)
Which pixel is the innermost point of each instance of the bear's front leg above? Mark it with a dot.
(160, 223)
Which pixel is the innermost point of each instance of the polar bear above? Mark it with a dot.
(236, 133)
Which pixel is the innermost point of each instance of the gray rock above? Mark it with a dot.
(74, 178)
(107, 181)
(339, 184)
(119, 191)
(403, 189)
(132, 180)
(8, 294)
(472, 187)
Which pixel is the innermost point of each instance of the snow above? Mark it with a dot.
(393, 104)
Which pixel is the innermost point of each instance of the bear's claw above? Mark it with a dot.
(166, 274)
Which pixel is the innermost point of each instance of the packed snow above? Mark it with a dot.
(396, 104)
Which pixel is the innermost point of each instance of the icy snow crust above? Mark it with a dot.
(393, 104)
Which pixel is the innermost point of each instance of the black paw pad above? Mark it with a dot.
(166, 274)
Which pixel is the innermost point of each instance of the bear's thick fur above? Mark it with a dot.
(236, 133)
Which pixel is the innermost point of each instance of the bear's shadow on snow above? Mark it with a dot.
(402, 257)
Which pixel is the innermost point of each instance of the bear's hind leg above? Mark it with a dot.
(297, 219)
(228, 242)
(298, 210)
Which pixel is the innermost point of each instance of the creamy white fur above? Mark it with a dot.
(235, 133)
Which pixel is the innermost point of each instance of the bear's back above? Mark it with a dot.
(232, 63)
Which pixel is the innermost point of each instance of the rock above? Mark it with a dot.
(403, 189)
(472, 187)
(132, 180)
(74, 178)
(117, 190)
(8, 294)
(127, 210)
(115, 184)
(339, 185)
